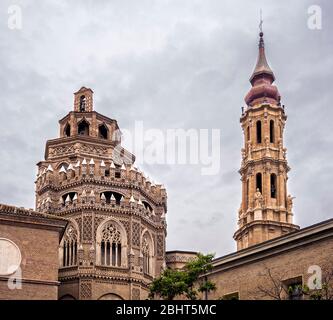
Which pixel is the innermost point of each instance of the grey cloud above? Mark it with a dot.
(171, 64)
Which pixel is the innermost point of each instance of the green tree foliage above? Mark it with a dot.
(189, 281)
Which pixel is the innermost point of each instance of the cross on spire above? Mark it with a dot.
(261, 21)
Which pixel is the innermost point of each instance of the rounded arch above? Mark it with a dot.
(67, 297)
(83, 101)
(259, 181)
(271, 131)
(273, 184)
(66, 194)
(83, 127)
(259, 131)
(108, 193)
(62, 164)
(111, 244)
(110, 296)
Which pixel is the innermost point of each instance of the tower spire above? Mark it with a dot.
(262, 78)
(262, 67)
(265, 211)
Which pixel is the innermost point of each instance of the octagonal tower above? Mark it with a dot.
(115, 242)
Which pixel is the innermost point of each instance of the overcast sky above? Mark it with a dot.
(171, 64)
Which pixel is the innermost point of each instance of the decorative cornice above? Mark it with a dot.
(276, 246)
(249, 225)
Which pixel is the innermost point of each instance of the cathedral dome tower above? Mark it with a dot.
(266, 209)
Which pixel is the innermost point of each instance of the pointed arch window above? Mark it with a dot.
(69, 247)
(103, 131)
(67, 130)
(111, 246)
(83, 103)
(259, 132)
(271, 131)
(147, 254)
(83, 128)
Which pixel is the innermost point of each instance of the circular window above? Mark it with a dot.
(10, 257)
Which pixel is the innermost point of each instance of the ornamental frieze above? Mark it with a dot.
(77, 148)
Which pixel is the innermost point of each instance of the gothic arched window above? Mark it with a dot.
(271, 131)
(110, 247)
(147, 253)
(259, 181)
(69, 247)
(273, 186)
(83, 103)
(83, 128)
(103, 131)
(67, 130)
(259, 138)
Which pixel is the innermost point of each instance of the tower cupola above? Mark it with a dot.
(261, 80)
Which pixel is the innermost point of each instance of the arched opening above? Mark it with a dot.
(248, 133)
(83, 128)
(147, 206)
(71, 196)
(69, 247)
(67, 297)
(67, 130)
(247, 193)
(116, 195)
(259, 136)
(103, 131)
(271, 131)
(63, 164)
(110, 296)
(273, 186)
(147, 253)
(111, 246)
(83, 103)
(259, 181)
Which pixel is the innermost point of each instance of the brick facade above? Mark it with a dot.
(37, 237)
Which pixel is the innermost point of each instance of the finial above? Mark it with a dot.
(261, 23)
(261, 34)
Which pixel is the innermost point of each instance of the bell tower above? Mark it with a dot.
(83, 100)
(266, 209)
